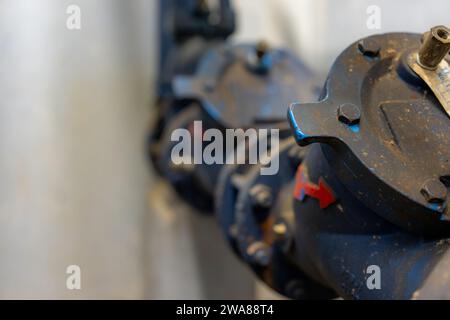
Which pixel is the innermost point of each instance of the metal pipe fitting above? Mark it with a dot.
(435, 46)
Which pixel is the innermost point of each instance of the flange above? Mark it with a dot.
(240, 86)
(385, 136)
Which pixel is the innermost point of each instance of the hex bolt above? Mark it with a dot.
(435, 46)
(369, 47)
(280, 230)
(349, 113)
(260, 61)
(434, 191)
(283, 236)
(261, 49)
(261, 196)
(259, 253)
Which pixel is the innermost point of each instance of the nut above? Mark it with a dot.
(349, 113)
(280, 230)
(369, 47)
(434, 191)
(261, 196)
(259, 252)
(261, 48)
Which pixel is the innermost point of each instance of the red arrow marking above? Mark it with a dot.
(321, 192)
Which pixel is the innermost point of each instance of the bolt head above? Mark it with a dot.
(280, 230)
(261, 48)
(260, 253)
(434, 191)
(260, 61)
(349, 113)
(282, 236)
(369, 47)
(261, 196)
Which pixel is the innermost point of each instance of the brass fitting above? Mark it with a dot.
(435, 46)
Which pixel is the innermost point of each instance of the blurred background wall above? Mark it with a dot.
(75, 106)
(73, 117)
